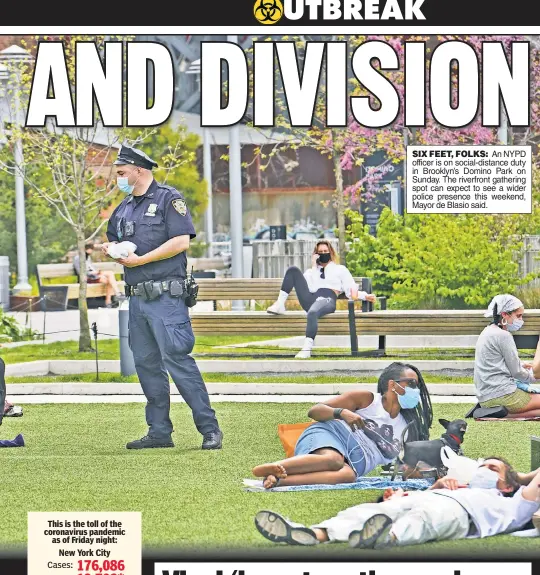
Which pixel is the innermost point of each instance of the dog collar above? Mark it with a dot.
(455, 438)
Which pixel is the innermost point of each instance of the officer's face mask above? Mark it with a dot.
(123, 184)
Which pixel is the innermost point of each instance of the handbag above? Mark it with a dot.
(289, 434)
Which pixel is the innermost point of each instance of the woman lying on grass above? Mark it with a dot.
(356, 431)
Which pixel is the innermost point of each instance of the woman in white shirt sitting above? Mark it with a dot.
(317, 290)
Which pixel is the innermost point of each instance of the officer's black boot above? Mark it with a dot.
(148, 441)
(212, 440)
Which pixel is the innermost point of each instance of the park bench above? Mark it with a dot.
(353, 322)
(67, 271)
(95, 290)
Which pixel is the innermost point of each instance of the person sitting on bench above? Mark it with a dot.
(502, 381)
(113, 295)
(317, 290)
(356, 431)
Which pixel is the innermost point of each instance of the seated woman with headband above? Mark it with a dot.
(501, 379)
(317, 290)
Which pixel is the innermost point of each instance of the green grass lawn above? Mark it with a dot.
(229, 378)
(108, 348)
(75, 461)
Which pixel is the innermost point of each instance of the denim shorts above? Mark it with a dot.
(320, 436)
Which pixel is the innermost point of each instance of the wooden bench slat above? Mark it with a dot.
(391, 322)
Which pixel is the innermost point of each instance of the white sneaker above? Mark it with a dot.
(276, 309)
(303, 354)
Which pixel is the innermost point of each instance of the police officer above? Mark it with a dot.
(156, 219)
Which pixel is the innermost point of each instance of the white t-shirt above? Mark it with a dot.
(380, 439)
(336, 277)
(490, 511)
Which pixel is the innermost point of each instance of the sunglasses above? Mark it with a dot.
(409, 381)
(322, 269)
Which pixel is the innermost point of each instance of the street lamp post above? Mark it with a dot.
(16, 55)
(235, 191)
(195, 68)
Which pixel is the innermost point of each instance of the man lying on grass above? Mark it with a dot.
(493, 502)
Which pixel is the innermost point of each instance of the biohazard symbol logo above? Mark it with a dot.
(268, 11)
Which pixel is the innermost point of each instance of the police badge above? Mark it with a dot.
(152, 208)
(180, 206)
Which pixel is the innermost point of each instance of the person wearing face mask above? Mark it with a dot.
(156, 219)
(493, 502)
(503, 383)
(356, 431)
(317, 290)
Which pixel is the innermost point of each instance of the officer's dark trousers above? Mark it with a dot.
(160, 337)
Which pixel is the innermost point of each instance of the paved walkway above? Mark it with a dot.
(39, 399)
(64, 325)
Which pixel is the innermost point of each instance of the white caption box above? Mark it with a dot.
(358, 568)
(93, 543)
(469, 179)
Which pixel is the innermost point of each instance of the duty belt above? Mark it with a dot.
(153, 289)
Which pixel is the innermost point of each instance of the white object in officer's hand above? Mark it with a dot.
(121, 250)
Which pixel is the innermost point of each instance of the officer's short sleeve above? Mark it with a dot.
(178, 218)
(112, 234)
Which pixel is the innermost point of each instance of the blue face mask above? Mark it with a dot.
(124, 186)
(484, 478)
(515, 325)
(410, 399)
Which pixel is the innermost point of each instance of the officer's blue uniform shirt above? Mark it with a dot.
(157, 216)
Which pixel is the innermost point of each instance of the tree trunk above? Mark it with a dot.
(340, 204)
(85, 342)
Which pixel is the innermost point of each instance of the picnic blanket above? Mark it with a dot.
(360, 483)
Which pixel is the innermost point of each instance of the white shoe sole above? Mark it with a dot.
(367, 537)
(276, 529)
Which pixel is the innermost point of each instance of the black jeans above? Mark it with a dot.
(317, 304)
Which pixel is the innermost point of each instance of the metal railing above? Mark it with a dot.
(530, 258)
(271, 258)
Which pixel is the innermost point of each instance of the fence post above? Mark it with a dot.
(127, 362)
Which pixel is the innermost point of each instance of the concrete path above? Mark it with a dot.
(264, 389)
(64, 399)
(255, 366)
(64, 325)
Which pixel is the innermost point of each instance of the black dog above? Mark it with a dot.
(416, 456)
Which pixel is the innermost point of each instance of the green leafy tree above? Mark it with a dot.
(438, 260)
(79, 182)
(48, 236)
(175, 150)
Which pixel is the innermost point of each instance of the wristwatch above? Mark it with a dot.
(337, 412)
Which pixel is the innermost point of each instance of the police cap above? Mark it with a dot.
(134, 157)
